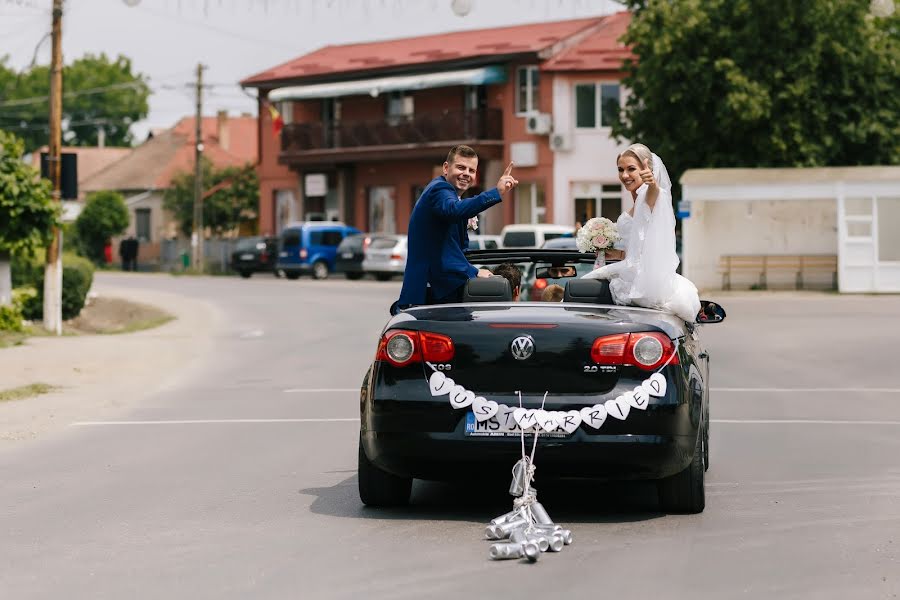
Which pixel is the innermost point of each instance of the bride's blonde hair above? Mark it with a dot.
(640, 152)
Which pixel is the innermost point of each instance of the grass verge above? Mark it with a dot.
(25, 391)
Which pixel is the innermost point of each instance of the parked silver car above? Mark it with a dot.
(385, 256)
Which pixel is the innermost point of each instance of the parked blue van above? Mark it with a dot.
(310, 247)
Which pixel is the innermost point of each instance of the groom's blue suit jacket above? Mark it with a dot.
(437, 230)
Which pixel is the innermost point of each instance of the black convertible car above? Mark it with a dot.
(591, 356)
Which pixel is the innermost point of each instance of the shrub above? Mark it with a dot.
(104, 216)
(27, 269)
(10, 318)
(78, 275)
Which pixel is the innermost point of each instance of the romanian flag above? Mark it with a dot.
(277, 120)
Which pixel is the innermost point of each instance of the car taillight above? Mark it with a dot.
(540, 284)
(645, 350)
(396, 257)
(303, 253)
(401, 347)
(264, 256)
(436, 347)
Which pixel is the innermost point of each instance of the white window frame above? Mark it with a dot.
(536, 211)
(286, 109)
(598, 103)
(530, 91)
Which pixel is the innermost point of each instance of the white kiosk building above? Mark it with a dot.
(806, 227)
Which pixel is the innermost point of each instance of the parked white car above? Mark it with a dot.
(532, 235)
(484, 242)
(385, 256)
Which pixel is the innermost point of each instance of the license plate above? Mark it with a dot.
(494, 428)
(347, 255)
(283, 254)
(246, 257)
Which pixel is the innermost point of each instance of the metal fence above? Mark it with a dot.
(175, 255)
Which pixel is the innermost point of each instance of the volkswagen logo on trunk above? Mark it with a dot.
(522, 347)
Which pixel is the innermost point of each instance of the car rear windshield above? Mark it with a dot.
(247, 243)
(291, 238)
(354, 242)
(514, 239)
(383, 243)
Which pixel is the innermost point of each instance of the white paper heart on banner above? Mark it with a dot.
(618, 408)
(525, 417)
(483, 408)
(593, 416)
(558, 416)
(655, 385)
(460, 397)
(440, 384)
(571, 421)
(505, 417)
(639, 398)
(545, 420)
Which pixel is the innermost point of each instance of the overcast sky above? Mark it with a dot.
(165, 39)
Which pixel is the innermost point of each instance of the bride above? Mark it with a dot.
(646, 276)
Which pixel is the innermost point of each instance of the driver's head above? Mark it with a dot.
(513, 275)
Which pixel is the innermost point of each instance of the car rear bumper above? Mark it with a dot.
(425, 438)
(348, 267)
(604, 457)
(393, 266)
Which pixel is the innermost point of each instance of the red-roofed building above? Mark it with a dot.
(144, 174)
(366, 126)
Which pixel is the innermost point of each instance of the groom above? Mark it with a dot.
(436, 268)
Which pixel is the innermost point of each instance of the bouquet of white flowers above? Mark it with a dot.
(597, 235)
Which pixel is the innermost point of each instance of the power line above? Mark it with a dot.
(98, 90)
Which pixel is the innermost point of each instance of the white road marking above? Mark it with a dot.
(214, 421)
(319, 391)
(800, 422)
(808, 390)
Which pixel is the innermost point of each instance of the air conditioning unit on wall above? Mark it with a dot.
(539, 123)
(560, 142)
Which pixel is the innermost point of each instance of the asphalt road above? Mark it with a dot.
(240, 482)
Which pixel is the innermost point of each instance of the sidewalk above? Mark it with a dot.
(98, 375)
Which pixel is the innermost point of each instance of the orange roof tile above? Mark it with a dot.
(599, 51)
(459, 45)
(153, 164)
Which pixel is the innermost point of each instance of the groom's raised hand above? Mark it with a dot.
(507, 181)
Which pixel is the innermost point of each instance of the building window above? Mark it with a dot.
(527, 96)
(142, 224)
(400, 107)
(530, 203)
(607, 203)
(596, 105)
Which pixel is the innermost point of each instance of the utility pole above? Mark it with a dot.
(197, 237)
(53, 269)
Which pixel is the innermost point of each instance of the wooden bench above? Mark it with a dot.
(801, 266)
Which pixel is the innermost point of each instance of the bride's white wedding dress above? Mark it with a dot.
(646, 276)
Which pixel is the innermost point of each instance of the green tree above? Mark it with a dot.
(27, 210)
(233, 197)
(99, 93)
(750, 83)
(104, 216)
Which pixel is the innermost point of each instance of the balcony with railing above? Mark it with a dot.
(399, 135)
